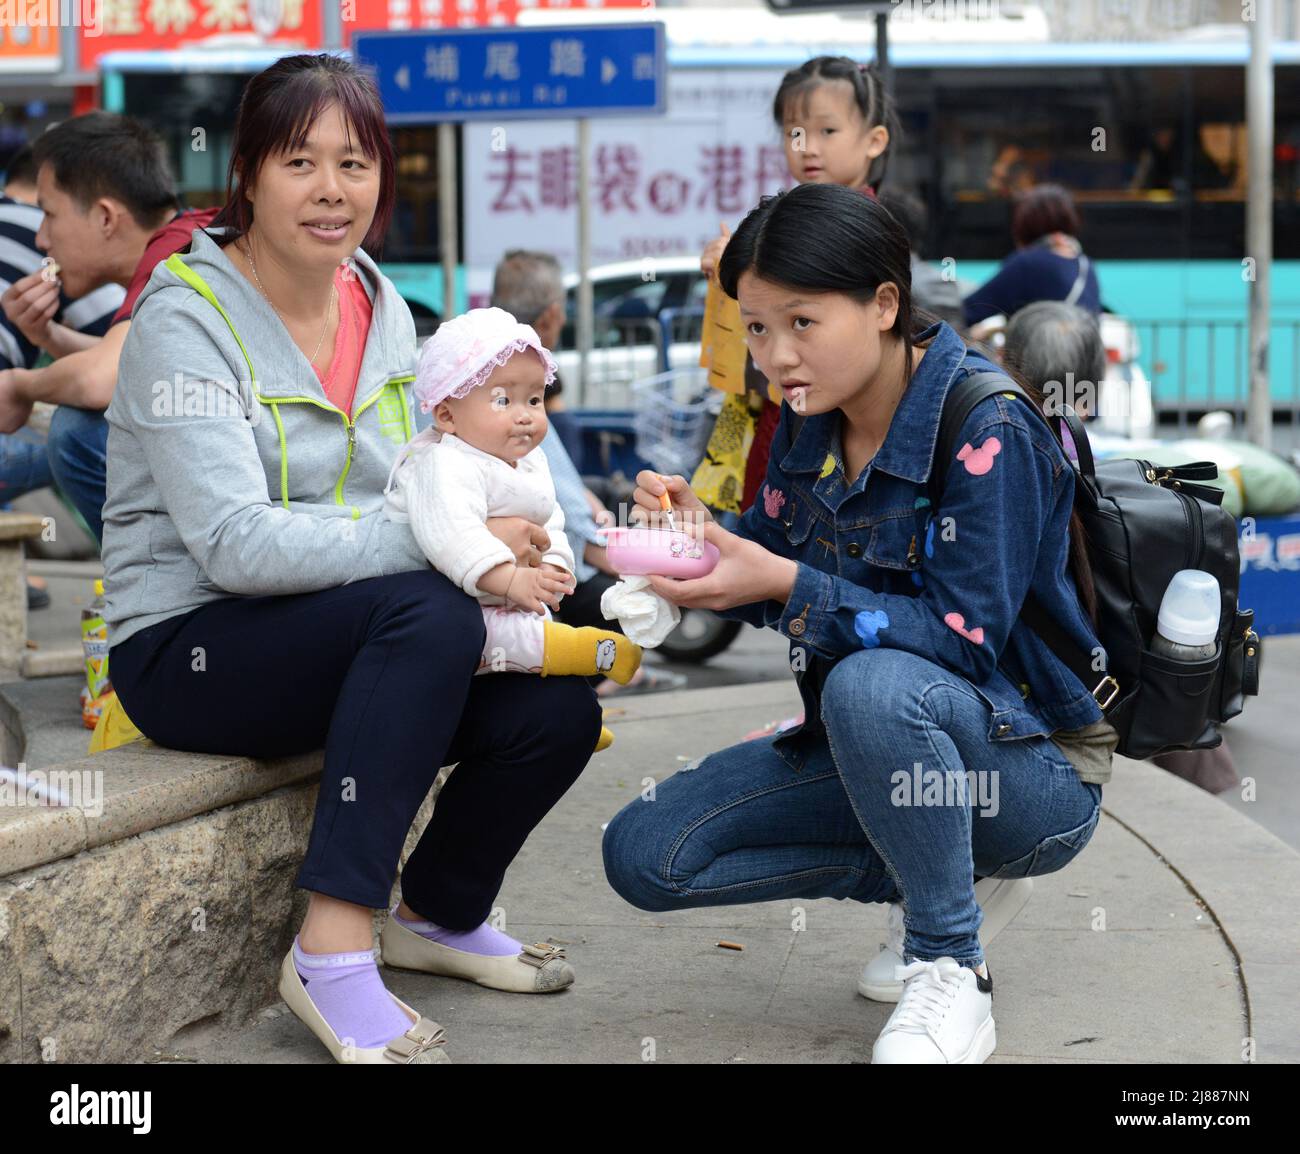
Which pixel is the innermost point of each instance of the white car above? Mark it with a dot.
(627, 337)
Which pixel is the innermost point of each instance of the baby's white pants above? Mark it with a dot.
(515, 640)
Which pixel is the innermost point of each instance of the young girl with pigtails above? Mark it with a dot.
(837, 122)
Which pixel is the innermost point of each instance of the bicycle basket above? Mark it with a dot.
(674, 415)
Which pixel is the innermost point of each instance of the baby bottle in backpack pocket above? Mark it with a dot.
(1187, 625)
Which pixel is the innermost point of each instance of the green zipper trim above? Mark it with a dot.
(199, 285)
(352, 440)
(284, 456)
(395, 382)
(196, 282)
(407, 428)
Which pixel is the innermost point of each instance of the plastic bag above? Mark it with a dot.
(114, 727)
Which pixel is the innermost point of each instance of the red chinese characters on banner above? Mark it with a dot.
(133, 25)
(403, 15)
(143, 24)
(725, 179)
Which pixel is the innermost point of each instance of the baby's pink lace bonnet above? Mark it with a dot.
(466, 350)
(460, 356)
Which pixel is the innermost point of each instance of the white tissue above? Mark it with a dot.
(645, 617)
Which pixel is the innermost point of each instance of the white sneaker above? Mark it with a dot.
(945, 1016)
(1000, 899)
(877, 981)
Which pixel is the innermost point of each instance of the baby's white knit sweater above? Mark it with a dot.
(448, 489)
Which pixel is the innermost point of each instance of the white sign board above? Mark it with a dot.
(660, 186)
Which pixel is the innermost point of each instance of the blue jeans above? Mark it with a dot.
(908, 800)
(24, 464)
(78, 445)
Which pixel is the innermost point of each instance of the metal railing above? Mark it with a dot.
(1195, 365)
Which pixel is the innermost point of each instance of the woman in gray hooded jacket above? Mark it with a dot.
(259, 603)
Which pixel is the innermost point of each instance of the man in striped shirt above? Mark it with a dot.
(110, 211)
(24, 462)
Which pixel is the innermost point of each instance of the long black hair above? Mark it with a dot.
(825, 238)
(869, 94)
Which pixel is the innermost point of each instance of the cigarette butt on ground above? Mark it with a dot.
(730, 946)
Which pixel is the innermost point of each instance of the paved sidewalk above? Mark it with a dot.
(1199, 950)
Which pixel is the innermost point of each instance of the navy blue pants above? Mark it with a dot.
(381, 674)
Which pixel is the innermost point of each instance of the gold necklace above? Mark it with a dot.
(248, 252)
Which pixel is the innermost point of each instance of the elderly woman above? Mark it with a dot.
(260, 604)
(1057, 348)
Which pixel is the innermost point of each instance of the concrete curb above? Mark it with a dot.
(1246, 878)
(132, 790)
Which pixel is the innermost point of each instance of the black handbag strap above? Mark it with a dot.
(962, 397)
(970, 390)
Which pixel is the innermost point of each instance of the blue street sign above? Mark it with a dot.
(508, 72)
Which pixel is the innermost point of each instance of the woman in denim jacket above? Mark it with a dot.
(944, 742)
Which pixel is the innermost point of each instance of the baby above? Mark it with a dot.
(483, 376)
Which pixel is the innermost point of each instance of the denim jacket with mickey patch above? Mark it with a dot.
(879, 567)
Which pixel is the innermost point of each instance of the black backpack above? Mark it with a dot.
(1143, 522)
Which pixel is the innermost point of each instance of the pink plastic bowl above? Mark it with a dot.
(640, 552)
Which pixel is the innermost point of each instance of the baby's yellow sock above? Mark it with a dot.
(606, 738)
(586, 651)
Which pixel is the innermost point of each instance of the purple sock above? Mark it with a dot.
(350, 994)
(484, 940)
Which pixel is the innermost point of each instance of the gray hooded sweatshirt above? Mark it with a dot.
(229, 472)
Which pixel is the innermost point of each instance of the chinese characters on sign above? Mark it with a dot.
(408, 15)
(724, 179)
(565, 71)
(115, 25)
(658, 187)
